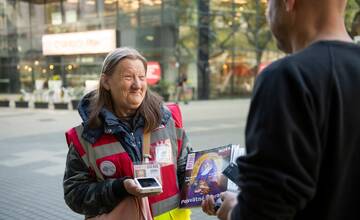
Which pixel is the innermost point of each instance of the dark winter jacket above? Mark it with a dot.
(303, 138)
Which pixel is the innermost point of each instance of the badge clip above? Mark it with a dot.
(147, 158)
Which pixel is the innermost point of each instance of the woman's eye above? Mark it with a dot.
(142, 77)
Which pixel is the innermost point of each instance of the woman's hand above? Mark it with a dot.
(135, 190)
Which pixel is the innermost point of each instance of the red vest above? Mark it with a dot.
(108, 159)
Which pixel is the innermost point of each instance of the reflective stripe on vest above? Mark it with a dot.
(88, 156)
(177, 118)
(179, 136)
(165, 205)
(73, 139)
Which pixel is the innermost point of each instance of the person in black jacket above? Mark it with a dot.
(303, 128)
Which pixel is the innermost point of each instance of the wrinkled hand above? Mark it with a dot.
(132, 188)
(208, 205)
(229, 201)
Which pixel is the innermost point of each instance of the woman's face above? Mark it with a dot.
(127, 86)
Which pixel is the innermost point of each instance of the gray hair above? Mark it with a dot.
(150, 108)
(115, 56)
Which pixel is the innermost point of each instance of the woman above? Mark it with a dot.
(102, 150)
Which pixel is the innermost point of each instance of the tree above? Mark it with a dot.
(258, 32)
(352, 17)
(235, 28)
(187, 31)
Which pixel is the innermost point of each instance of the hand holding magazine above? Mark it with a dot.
(203, 175)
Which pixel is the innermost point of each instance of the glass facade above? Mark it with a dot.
(220, 47)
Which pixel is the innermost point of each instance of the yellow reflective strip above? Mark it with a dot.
(183, 214)
(165, 205)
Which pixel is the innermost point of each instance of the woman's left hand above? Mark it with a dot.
(132, 188)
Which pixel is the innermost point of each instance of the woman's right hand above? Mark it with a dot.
(133, 189)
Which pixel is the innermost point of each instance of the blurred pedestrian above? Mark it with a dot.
(182, 88)
(303, 128)
(117, 118)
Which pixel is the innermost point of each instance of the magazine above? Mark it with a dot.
(203, 175)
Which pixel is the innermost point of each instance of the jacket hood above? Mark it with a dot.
(84, 107)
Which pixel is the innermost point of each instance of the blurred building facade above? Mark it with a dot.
(67, 40)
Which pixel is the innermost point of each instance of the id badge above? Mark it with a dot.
(147, 170)
(163, 152)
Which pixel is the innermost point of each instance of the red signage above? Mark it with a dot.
(153, 74)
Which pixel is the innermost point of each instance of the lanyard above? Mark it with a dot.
(146, 147)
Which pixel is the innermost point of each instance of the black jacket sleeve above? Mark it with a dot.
(280, 171)
(84, 194)
(181, 162)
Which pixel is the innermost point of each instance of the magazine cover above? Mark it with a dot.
(204, 176)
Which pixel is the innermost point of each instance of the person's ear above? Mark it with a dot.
(105, 81)
(289, 5)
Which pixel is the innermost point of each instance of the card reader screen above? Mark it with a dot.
(148, 182)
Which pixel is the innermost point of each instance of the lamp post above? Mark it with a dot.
(203, 51)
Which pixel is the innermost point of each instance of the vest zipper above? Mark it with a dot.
(137, 148)
(133, 137)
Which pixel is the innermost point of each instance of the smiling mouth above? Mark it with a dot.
(136, 93)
